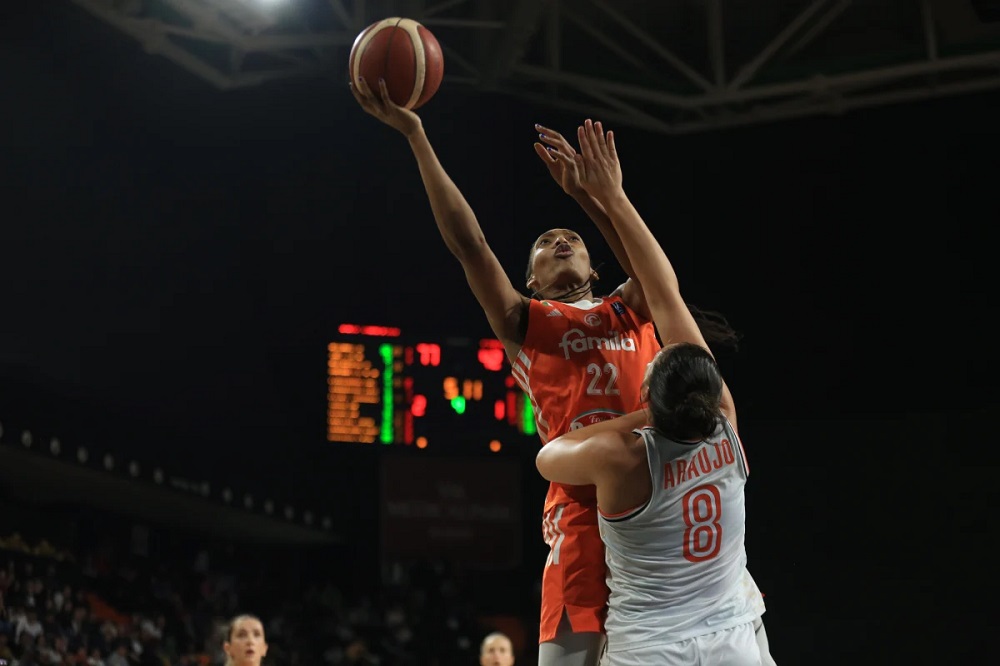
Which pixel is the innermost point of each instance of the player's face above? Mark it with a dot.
(559, 259)
(246, 645)
(497, 651)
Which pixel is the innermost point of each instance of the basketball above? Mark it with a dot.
(404, 53)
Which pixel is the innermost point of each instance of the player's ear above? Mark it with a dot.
(532, 283)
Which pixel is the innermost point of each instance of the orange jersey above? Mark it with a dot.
(581, 364)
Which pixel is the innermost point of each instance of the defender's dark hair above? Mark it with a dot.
(715, 328)
(684, 390)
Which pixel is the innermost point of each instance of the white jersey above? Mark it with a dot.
(677, 564)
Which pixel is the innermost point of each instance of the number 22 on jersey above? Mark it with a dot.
(609, 375)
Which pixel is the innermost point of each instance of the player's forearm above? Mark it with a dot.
(625, 423)
(595, 211)
(580, 457)
(454, 216)
(644, 252)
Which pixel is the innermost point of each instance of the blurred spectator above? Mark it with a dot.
(130, 612)
(28, 625)
(120, 656)
(496, 650)
(5, 652)
(95, 658)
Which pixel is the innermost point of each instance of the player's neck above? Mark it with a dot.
(571, 293)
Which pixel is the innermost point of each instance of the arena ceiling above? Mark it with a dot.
(671, 66)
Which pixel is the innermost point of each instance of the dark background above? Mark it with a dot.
(174, 260)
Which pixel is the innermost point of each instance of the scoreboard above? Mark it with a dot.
(444, 394)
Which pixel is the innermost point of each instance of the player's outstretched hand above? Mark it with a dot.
(600, 171)
(563, 171)
(383, 108)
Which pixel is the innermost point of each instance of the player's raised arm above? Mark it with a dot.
(601, 176)
(567, 174)
(503, 304)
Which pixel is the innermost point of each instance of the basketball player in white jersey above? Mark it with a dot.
(669, 495)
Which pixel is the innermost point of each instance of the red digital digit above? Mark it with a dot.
(430, 353)
(492, 359)
(419, 406)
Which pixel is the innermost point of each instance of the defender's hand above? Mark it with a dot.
(564, 172)
(600, 170)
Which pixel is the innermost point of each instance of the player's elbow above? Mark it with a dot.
(555, 461)
(559, 461)
(545, 462)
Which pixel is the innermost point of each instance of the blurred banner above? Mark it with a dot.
(467, 511)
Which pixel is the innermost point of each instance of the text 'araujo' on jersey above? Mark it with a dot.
(582, 363)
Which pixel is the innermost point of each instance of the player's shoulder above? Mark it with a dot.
(618, 304)
(629, 295)
(622, 451)
(540, 312)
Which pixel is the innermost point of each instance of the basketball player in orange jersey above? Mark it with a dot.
(569, 352)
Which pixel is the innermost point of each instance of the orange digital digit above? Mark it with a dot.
(351, 382)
